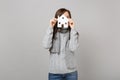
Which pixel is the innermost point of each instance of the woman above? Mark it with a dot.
(62, 44)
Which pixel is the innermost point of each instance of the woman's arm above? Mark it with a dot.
(47, 40)
(74, 40)
(74, 36)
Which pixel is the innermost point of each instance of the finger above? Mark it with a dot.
(71, 23)
(55, 19)
(70, 19)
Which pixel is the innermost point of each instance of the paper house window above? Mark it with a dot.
(62, 21)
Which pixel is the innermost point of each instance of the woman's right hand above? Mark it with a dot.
(53, 22)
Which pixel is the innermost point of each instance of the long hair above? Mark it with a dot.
(59, 12)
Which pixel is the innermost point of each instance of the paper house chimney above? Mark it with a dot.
(62, 21)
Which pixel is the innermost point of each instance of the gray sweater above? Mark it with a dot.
(65, 62)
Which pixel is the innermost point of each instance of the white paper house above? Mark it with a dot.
(62, 21)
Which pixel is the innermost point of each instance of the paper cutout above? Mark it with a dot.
(62, 21)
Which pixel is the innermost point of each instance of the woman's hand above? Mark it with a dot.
(53, 22)
(71, 23)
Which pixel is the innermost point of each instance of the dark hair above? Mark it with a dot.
(59, 12)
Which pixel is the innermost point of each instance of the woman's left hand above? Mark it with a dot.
(71, 23)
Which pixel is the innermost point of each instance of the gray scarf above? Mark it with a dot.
(57, 42)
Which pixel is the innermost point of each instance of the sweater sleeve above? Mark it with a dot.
(74, 40)
(47, 40)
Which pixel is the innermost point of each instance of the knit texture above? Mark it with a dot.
(65, 62)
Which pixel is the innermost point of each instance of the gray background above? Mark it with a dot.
(22, 27)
